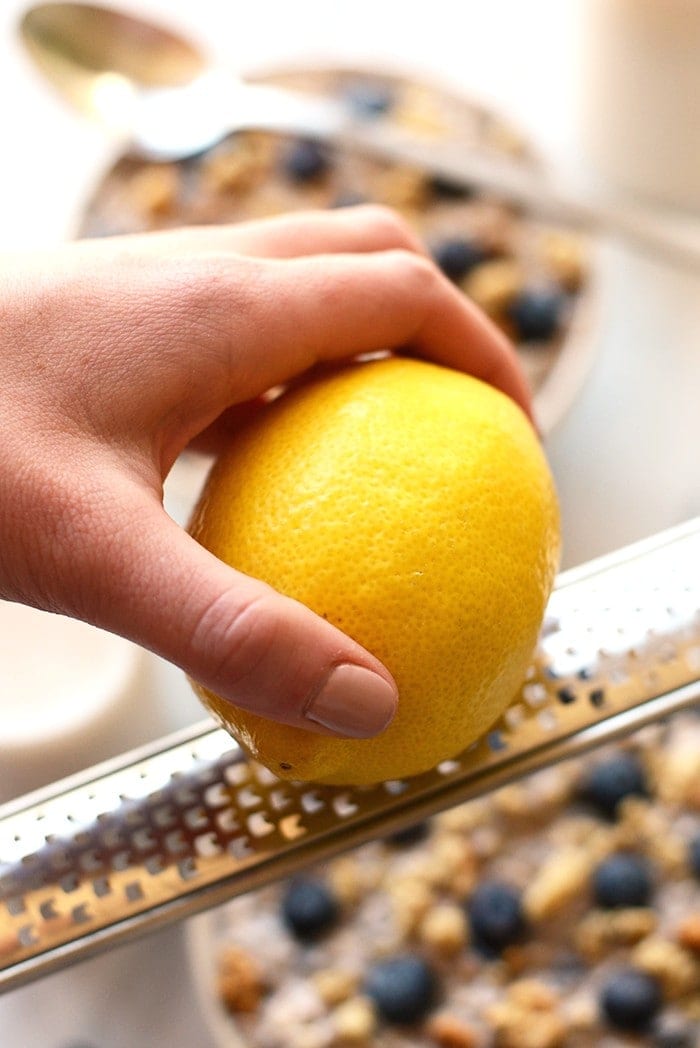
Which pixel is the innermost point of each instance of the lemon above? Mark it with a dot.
(412, 506)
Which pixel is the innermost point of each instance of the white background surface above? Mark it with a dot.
(625, 458)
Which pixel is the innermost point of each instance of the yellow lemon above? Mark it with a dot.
(412, 506)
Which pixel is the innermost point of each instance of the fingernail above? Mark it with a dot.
(353, 701)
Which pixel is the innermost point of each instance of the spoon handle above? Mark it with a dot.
(673, 239)
(174, 123)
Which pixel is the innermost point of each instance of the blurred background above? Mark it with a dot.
(591, 92)
(504, 53)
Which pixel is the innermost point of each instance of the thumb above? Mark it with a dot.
(234, 634)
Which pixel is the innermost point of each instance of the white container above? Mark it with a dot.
(70, 695)
(640, 96)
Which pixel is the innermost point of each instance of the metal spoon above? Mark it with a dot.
(162, 93)
(142, 80)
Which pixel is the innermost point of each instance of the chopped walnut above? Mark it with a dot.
(449, 858)
(487, 841)
(670, 853)
(521, 959)
(602, 930)
(691, 1007)
(559, 880)
(347, 879)
(513, 801)
(445, 928)
(689, 932)
(494, 285)
(533, 995)
(154, 189)
(447, 1031)
(495, 226)
(675, 968)
(518, 1030)
(581, 1013)
(334, 985)
(355, 1020)
(307, 1037)
(583, 830)
(411, 899)
(236, 168)
(528, 1018)
(402, 188)
(466, 817)
(641, 822)
(418, 112)
(565, 256)
(241, 982)
(678, 775)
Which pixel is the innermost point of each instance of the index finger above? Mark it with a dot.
(309, 310)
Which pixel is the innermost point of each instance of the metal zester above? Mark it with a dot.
(173, 828)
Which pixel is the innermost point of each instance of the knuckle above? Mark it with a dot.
(232, 638)
(389, 226)
(417, 274)
(210, 290)
(199, 287)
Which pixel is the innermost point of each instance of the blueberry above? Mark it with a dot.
(404, 989)
(496, 916)
(610, 781)
(414, 834)
(457, 256)
(306, 160)
(596, 697)
(448, 190)
(369, 99)
(622, 880)
(694, 855)
(566, 695)
(630, 999)
(309, 908)
(537, 313)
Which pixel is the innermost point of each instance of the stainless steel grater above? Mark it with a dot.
(171, 829)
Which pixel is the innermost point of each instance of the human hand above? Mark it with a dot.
(117, 354)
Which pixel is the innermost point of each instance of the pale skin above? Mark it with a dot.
(118, 354)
